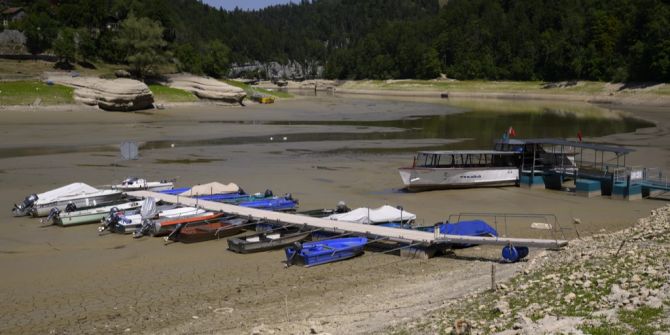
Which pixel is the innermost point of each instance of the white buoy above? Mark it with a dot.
(285, 138)
(172, 145)
(271, 138)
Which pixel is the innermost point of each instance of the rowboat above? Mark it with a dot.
(164, 227)
(89, 215)
(23, 208)
(136, 184)
(76, 201)
(267, 240)
(207, 230)
(324, 212)
(326, 251)
(460, 169)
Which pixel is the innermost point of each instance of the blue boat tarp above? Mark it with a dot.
(273, 204)
(175, 191)
(464, 228)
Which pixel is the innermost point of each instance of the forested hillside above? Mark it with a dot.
(619, 40)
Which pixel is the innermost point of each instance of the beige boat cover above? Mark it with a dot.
(211, 188)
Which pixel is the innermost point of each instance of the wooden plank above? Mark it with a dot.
(394, 234)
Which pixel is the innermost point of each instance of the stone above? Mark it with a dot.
(462, 327)
(122, 74)
(502, 307)
(207, 88)
(568, 298)
(114, 95)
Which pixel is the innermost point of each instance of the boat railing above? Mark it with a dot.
(503, 222)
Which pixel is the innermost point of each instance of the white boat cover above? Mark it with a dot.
(67, 190)
(211, 188)
(149, 208)
(384, 213)
(170, 213)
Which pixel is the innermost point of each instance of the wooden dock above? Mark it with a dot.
(393, 234)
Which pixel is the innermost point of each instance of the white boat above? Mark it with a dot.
(76, 201)
(127, 224)
(383, 214)
(27, 204)
(89, 215)
(461, 169)
(137, 184)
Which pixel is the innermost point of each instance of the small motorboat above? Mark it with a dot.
(127, 223)
(236, 198)
(324, 212)
(277, 204)
(463, 228)
(137, 184)
(79, 201)
(165, 227)
(326, 251)
(383, 214)
(207, 230)
(26, 206)
(268, 240)
(71, 218)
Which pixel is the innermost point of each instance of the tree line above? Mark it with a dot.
(616, 40)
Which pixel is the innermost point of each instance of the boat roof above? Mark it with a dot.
(468, 152)
(574, 144)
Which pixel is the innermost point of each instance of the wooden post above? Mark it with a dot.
(493, 277)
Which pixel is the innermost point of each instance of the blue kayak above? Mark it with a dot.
(321, 252)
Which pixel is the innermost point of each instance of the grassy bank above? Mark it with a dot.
(169, 94)
(251, 90)
(26, 92)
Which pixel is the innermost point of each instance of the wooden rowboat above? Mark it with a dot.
(267, 240)
(207, 230)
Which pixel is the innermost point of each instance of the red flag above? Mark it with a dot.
(511, 132)
(579, 135)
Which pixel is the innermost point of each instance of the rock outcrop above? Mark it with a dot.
(114, 95)
(207, 88)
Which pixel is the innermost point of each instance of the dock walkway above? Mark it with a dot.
(393, 234)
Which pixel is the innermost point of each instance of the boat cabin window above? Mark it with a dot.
(464, 160)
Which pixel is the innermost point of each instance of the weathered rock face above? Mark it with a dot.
(114, 95)
(12, 42)
(207, 88)
(273, 70)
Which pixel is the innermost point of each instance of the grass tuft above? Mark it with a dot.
(169, 94)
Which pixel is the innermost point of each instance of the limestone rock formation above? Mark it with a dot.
(114, 95)
(207, 88)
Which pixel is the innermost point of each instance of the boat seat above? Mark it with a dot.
(273, 236)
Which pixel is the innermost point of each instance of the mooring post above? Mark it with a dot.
(493, 277)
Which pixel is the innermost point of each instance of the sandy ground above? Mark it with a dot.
(71, 280)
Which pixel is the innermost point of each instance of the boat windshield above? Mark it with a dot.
(466, 160)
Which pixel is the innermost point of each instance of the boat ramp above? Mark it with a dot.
(411, 237)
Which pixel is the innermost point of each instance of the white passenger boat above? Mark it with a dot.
(138, 184)
(461, 169)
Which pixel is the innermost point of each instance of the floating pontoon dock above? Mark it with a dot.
(393, 234)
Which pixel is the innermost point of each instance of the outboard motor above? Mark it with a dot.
(24, 207)
(297, 247)
(110, 222)
(144, 229)
(268, 193)
(342, 207)
(54, 212)
(70, 207)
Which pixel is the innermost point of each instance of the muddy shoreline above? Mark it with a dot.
(73, 281)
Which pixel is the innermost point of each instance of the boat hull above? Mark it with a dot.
(92, 215)
(166, 227)
(416, 179)
(206, 231)
(322, 252)
(84, 201)
(266, 241)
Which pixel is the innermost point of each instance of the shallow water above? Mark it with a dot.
(481, 123)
